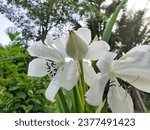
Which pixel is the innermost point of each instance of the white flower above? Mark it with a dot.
(133, 67)
(79, 47)
(52, 61)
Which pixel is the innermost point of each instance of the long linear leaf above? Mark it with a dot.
(111, 22)
(63, 101)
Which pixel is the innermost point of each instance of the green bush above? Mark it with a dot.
(19, 92)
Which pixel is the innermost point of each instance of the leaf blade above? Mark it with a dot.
(107, 32)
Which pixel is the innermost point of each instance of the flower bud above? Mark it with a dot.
(77, 47)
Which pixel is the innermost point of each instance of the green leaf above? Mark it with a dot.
(102, 108)
(21, 95)
(36, 101)
(63, 101)
(14, 88)
(13, 36)
(111, 22)
(40, 91)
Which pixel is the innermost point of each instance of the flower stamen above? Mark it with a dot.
(51, 68)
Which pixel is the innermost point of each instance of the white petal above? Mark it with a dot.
(51, 91)
(49, 40)
(40, 50)
(141, 47)
(119, 100)
(60, 45)
(96, 49)
(62, 79)
(135, 54)
(70, 75)
(77, 46)
(94, 95)
(85, 33)
(139, 78)
(135, 70)
(138, 59)
(37, 68)
(104, 63)
(54, 85)
(89, 74)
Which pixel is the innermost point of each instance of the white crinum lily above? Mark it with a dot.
(133, 67)
(52, 61)
(80, 47)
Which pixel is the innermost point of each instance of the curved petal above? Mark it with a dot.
(85, 33)
(49, 40)
(65, 77)
(104, 63)
(60, 45)
(37, 68)
(54, 86)
(40, 50)
(140, 47)
(135, 54)
(69, 75)
(94, 95)
(139, 60)
(139, 78)
(119, 100)
(135, 70)
(89, 74)
(143, 47)
(96, 49)
(51, 92)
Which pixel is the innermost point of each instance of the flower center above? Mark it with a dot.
(112, 72)
(52, 67)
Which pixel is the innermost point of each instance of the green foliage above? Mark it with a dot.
(98, 12)
(111, 22)
(13, 36)
(19, 92)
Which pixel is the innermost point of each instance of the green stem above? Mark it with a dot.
(63, 101)
(83, 87)
(74, 101)
(81, 81)
(60, 105)
(81, 106)
(102, 107)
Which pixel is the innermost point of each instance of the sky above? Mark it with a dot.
(4, 23)
(131, 5)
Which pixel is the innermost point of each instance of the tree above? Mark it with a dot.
(37, 17)
(131, 30)
(99, 14)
